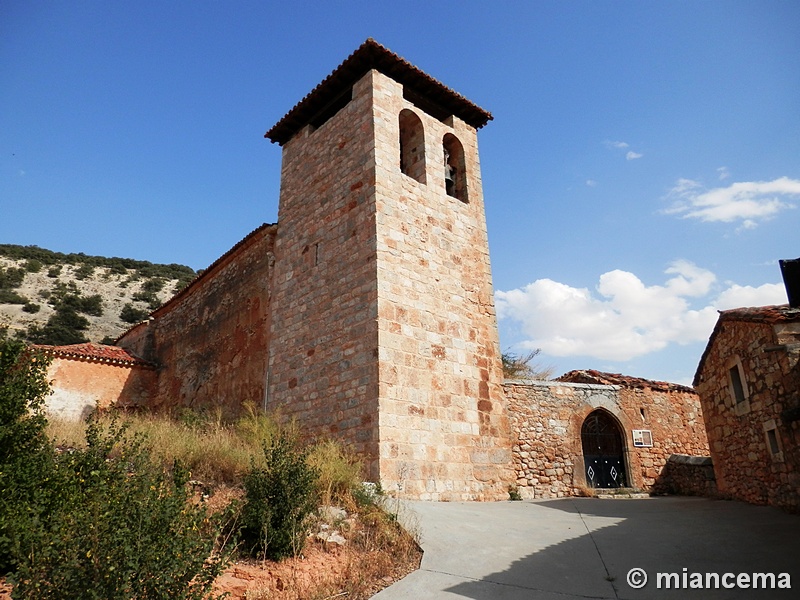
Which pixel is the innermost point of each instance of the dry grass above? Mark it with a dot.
(378, 550)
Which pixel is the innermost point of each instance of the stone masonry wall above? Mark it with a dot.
(745, 467)
(444, 431)
(323, 360)
(687, 476)
(211, 340)
(547, 418)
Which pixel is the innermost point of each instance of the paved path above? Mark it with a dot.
(584, 548)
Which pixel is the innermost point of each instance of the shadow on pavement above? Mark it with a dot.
(658, 535)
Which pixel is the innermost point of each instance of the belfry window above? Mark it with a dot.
(455, 168)
(412, 146)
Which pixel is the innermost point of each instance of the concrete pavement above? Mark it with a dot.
(585, 547)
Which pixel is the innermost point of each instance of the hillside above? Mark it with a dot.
(54, 298)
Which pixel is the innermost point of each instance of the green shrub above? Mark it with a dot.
(23, 442)
(154, 285)
(11, 278)
(152, 300)
(279, 498)
(8, 296)
(119, 528)
(32, 308)
(54, 271)
(65, 327)
(130, 314)
(84, 271)
(33, 265)
(340, 472)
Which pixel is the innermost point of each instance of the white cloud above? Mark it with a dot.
(748, 202)
(737, 296)
(633, 155)
(625, 318)
(591, 183)
(723, 173)
(621, 145)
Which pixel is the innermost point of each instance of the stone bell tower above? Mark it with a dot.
(383, 327)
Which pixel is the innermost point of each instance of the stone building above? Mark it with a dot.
(599, 430)
(89, 376)
(749, 385)
(367, 311)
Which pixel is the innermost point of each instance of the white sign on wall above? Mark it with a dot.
(642, 438)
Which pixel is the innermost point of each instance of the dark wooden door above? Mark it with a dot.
(603, 451)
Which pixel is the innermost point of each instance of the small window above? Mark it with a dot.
(773, 440)
(412, 146)
(455, 168)
(737, 387)
(736, 384)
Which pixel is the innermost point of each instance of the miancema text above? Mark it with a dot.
(686, 580)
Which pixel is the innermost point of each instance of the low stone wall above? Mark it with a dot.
(687, 476)
(547, 417)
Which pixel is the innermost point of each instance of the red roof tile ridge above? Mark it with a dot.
(94, 351)
(366, 56)
(622, 380)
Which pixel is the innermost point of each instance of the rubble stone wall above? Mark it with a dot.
(745, 466)
(547, 418)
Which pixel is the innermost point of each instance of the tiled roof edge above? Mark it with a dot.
(372, 55)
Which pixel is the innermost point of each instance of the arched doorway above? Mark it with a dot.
(603, 451)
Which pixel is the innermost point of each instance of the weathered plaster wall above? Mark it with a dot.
(547, 418)
(81, 386)
(745, 467)
(211, 341)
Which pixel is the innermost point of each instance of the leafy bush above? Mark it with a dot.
(11, 297)
(340, 473)
(152, 300)
(65, 327)
(33, 265)
(23, 443)
(54, 271)
(154, 285)
(84, 271)
(32, 308)
(116, 527)
(130, 314)
(279, 498)
(11, 278)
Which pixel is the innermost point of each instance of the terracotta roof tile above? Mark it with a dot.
(372, 55)
(599, 377)
(95, 352)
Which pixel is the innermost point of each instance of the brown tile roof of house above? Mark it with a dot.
(599, 377)
(372, 55)
(770, 315)
(95, 352)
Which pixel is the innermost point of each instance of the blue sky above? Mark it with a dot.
(642, 170)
